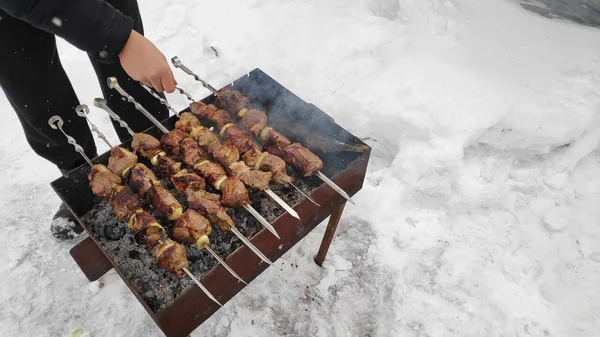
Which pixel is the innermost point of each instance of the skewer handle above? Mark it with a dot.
(204, 290)
(178, 64)
(183, 92)
(250, 245)
(162, 100)
(57, 123)
(220, 260)
(101, 103)
(83, 111)
(114, 84)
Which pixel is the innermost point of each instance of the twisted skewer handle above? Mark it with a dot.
(57, 123)
(183, 92)
(101, 103)
(162, 100)
(178, 64)
(83, 111)
(114, 84)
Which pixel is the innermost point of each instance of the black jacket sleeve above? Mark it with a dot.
(93, 26)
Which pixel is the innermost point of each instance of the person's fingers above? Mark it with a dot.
(168, 82)
(157, 85)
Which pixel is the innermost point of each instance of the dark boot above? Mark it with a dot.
(64, 226)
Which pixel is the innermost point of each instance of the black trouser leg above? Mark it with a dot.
(124, 109)
(37, 87)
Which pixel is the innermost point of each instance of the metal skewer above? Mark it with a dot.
(162, 100)
(114, 84)
(304, 194)
(218, 258)
(250, 245)
(83, 111)
(204, 290)
(101, 103)
(178, 64)
(56, 123)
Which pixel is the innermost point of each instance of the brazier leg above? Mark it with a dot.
(329, 233)
(90, 259)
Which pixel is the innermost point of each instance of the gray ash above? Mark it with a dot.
(155, 285)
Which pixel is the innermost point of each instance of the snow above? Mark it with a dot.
(479, 213)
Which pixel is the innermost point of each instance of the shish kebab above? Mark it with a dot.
(236, 146)
(191, 185)
(190, 227)
(213, 172)
(169, 255)
(298, 156)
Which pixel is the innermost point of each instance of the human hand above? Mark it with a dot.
(143, 62)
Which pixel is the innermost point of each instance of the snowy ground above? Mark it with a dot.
(479, 215)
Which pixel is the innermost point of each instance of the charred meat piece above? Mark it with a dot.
(251, 178)
(212, 172)
(192, 228)
(206, 139)
(120, 160)
(166, 165)
(273, 138)
(184, 180)
(164, 203)
(124, 202)
(191, 152)
(226, 154)
(211, 113)
(103, 181)
(171, 256)
(302, 159)
(209, 205)
(232, 100)
(253, 120)
(141, 179)
(143, 221)
(145, 145)
(152, 241)
(267, 162)
(237, 138)
(233, 193)
(187, 122)
(170, 141)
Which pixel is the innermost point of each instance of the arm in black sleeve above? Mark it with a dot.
(93, 26)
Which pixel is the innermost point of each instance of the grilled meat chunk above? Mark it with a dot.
(171, 256)
(120, 160)
(192, 228)
(251, 178)
(166, 165)
(209, 205)
(273, 138)
(170, 141)
(253, 120)
(152, 241)
(124, 202)
(211, 113)
(237, 138)
(207, 140)
(233, 193)
(232, 100)
(226, 154)
(141, 179)
(103, 181)
(187, 122)
(212, 172)
(141, 220)
(184, 180)
(164, 203)
(267, 162)
(191, 151)
(145, 145)
(301, 158)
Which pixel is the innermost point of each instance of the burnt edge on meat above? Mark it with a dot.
(156, 286)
